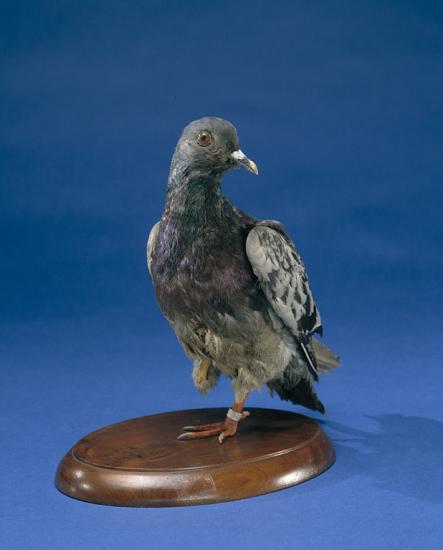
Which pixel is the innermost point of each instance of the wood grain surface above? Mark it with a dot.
(139, 462)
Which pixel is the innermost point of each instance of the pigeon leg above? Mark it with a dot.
(235, 414)
(223, 429)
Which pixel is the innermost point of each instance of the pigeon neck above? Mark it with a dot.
(192, 191)
(193, 208)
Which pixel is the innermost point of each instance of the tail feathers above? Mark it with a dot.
(311, 359)
(326, 359)
(297, 390)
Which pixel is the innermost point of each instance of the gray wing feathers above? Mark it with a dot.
(151, 245)
(282, 277)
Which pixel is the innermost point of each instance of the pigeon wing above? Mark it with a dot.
(151, 245)
(283, 279)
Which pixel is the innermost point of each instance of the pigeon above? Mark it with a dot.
(233, 288)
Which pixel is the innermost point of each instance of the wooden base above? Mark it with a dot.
(139, 462)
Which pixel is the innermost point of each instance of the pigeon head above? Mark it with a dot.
(208, 148)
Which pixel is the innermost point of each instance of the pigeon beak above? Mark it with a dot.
(243, 160)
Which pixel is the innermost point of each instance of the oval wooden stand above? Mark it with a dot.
(140, 462)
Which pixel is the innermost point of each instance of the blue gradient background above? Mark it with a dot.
(340, 105)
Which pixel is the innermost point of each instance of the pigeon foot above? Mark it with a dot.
(223, 429)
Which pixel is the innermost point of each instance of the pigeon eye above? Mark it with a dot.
(204, 138)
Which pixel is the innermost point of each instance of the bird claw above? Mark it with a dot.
(223, 429)
(224, 435)
(231, 430)
(194, 432)
(204, 427)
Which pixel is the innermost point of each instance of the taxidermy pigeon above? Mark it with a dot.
(233, 288)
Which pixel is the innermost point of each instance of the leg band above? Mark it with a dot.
(234, 415)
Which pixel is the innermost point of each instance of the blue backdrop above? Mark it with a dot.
(340, 105)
